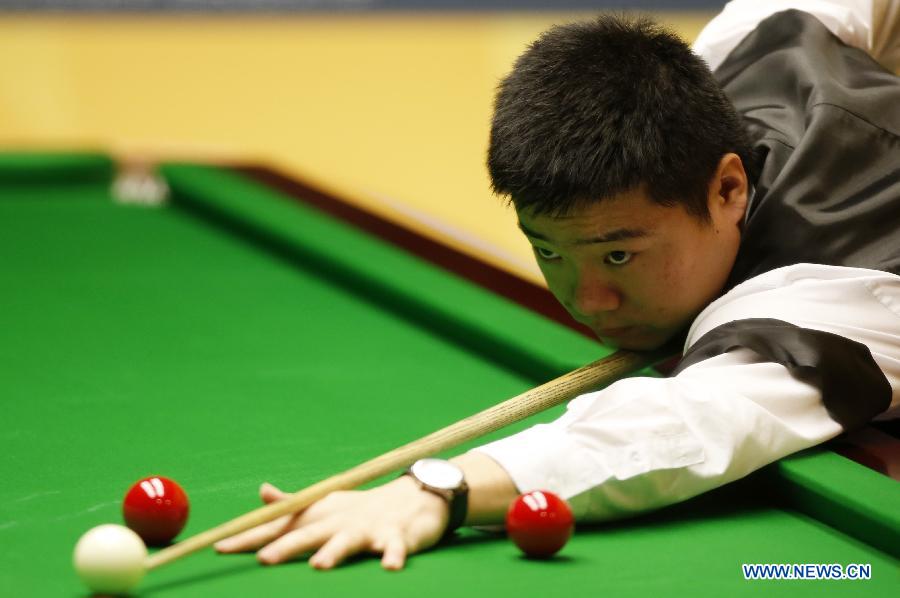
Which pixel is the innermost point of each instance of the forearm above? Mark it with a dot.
(644, 443)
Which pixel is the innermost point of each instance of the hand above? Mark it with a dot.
(394, 520)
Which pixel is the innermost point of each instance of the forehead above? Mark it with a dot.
(608, 220)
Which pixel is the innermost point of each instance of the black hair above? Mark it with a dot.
(599, 108)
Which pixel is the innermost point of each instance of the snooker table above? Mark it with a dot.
(238, 333)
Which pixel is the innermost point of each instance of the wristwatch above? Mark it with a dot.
(447, 481)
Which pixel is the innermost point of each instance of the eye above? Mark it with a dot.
(618, 258)
(546, 254)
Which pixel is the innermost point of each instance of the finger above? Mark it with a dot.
(269, 493)
(394, 553)
(299, 541)
(338, 548)
(261, 535)
(257, 536)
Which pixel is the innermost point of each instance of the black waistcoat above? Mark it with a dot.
(824, 119)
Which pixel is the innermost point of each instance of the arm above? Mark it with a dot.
(638, 445)
(644, 443)
(871, 25)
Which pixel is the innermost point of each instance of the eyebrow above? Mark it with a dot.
(618, 234)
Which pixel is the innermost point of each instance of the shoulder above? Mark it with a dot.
(864, 24)
(836, 299)
(836, 328)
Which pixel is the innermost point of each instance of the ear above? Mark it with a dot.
(728, 192)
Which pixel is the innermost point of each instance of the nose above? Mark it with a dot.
(593, 296)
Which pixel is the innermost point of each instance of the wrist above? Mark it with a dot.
(446, 482)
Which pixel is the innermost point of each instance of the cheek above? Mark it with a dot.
(666, 287)
(686, 281)
(675, 276)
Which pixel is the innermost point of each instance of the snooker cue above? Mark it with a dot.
(568, 386)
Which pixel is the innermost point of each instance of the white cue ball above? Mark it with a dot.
(110, 559)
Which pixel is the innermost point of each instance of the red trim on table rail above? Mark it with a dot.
(508, 285)
(875, 446)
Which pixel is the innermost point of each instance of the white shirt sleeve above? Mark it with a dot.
(643, 443)
(871, 25)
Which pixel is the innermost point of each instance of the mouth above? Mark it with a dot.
(613, 332)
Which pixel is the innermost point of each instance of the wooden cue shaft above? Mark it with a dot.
(540, 398)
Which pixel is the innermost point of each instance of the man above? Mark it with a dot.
(754, 214)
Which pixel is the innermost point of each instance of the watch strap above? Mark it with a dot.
(459, 507)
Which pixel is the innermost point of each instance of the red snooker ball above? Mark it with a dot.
(156, 508)
(540, 523)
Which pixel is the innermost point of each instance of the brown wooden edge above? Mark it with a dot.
(527, 294)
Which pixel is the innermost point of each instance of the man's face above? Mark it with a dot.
(633, 271)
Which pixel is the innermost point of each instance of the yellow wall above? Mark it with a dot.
(390, 111)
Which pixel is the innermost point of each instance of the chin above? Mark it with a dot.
(635, 342)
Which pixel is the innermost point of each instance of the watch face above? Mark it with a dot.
(438, 473)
